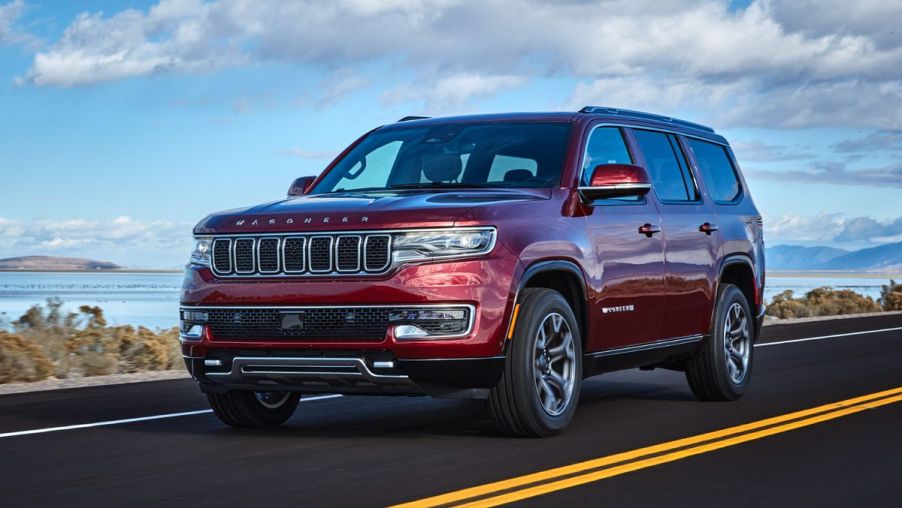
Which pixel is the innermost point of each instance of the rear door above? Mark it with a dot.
(690, 249)
(629, 265)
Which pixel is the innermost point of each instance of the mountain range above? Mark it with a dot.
(883, 258)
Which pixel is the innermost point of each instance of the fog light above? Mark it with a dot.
(193, 332)
(425, 323)
(410, 332)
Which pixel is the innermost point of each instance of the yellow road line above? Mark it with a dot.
(575, 481)
(581, 467)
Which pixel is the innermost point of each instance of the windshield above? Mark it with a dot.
(453, 156)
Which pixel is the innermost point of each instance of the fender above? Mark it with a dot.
(735, 259)
(549, 266)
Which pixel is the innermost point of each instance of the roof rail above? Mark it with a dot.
(409, 118)
(640, 115)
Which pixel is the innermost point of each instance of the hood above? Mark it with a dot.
(364, 210)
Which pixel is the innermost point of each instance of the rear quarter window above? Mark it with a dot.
(716, 170)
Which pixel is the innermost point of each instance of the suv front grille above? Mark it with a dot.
(314, 254)
(316, 323)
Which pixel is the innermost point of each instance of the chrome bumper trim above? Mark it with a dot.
(354, 370)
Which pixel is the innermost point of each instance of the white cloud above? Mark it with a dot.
(10, 33)
(125, 237)
(450, 92)
(830, 228)
(773, 63)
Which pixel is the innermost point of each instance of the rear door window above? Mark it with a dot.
(716, 170)
(667, 166)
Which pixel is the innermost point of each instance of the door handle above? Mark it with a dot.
(708, 228)
(649, 229)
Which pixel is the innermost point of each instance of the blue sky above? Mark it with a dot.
(123, 127)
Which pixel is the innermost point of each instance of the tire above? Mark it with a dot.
(535, 397)
(722, 370)
(247, 408)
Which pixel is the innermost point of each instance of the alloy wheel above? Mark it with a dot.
(272, 400)
(737, 343)
(554, 364)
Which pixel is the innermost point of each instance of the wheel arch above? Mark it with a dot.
(565, 277)
(738, 270)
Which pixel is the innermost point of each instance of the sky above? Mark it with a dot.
(121, 127)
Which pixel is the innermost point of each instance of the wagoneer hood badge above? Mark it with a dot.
(350, 212)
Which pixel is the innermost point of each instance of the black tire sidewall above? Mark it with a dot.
(730, 295)
(538, 304)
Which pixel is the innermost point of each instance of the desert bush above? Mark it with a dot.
(822, 301)
(81, 344)
(21, 360)
(891, 296)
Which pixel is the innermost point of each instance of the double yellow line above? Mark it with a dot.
(551, 480)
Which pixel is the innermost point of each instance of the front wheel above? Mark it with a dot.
(246, 408)
(538, 393)
(723, 368)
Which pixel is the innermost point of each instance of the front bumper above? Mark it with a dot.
(459, 361)
(361, 373)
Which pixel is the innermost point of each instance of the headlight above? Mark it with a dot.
(426, 245)
(200, 255)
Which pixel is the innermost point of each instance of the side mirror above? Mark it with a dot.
(616, 181)
(301, 185)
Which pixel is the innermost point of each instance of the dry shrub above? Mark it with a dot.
(823, 301)
(81, 344)
(891, 296)
(21, 360)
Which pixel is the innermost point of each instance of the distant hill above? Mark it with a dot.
(54, 263)
(884, 258)
(795, 257)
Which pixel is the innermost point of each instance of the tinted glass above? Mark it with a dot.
(605, 146)
(499, 154)
(667, 166)
(716, 169)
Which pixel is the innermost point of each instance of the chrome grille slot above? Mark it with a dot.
(376, 252)
(347, 254)
(222, 255)
(308, 255)
(268, 255)
(320, 254)
(244, 255)
(293, 254)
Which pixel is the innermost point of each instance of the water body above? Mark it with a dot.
(152, 299)
(145, 299)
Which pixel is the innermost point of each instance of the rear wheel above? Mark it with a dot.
(246, 408)
(538, 393)
(723, 368)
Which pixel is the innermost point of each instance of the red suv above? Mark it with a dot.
(505, 257)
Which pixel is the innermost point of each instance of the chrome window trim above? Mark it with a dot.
(388, 259)
(235, 257)
(213, 256)
(471, 309)
(303, 240)
(337, 242)
(675, 132)
(278, 251)
(329, 249)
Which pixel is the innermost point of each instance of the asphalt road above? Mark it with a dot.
(376, 451)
